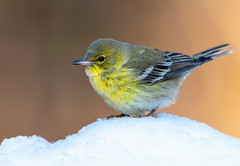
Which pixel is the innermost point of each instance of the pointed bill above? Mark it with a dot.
(82, 62)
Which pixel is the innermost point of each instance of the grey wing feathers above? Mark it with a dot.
(182, 65)
(175, 65)
(155, 73)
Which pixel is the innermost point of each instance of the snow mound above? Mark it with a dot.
(166, 140)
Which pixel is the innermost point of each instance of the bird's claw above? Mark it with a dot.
(142, 116)
(117, 116)
(131, 116)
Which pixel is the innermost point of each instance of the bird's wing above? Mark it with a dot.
(159, 66)
(182, 65)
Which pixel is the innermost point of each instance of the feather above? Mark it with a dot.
(153, 66)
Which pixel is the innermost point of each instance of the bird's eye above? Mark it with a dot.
(101, 58)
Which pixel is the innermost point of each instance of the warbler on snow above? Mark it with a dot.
(133, 79)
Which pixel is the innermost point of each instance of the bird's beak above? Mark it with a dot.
(82, 62)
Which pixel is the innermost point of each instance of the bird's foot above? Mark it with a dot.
(151, 114)
(142, 116)
(117, 116)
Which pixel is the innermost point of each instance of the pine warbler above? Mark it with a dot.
(133, 79)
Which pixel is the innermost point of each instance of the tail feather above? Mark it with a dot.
(214, 52)
(182, 65)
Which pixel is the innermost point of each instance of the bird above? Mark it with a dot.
(138, 80)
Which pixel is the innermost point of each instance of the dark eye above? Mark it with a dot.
(101, 58)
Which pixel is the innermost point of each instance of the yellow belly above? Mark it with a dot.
(125, 94)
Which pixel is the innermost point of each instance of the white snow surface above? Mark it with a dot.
(166, 140)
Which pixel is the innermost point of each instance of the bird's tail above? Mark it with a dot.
(214, 52)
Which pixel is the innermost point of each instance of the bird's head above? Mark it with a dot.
(103, 55)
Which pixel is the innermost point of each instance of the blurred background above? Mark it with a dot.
(41, 93)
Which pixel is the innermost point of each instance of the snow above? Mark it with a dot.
(166, 140)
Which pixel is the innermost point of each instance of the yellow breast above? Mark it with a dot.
(116, 88)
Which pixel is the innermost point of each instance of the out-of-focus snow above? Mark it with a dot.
(166, 140)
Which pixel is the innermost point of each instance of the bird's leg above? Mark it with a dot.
(144, 116)
(134, 116)
(152, 112)
(117, 116)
